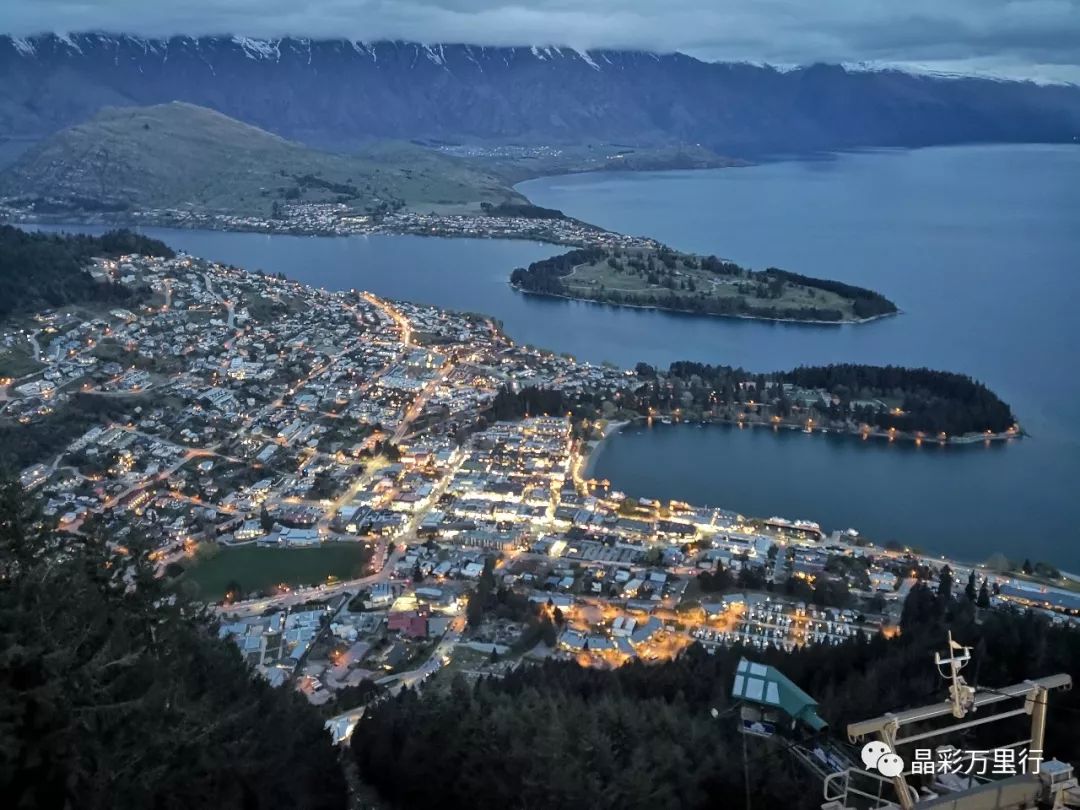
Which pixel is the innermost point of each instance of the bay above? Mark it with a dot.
(980, 247)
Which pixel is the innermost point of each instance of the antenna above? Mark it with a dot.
(961, 695)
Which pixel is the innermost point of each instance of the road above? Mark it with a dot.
(230, 306)
(414, 678)
(32, 337)
(421, 400)
(443, 650)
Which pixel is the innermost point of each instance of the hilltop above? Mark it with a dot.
(339, 93)
(185, 157)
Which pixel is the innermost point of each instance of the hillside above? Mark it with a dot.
(128, 700)
(643, 737)
(180, 156)
(40, 270)
(335, 93)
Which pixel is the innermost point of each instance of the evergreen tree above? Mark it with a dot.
(945, 583)
(970, 590)
(557, 735)
(115, 694)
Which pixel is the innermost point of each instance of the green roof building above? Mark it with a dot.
(769, 688)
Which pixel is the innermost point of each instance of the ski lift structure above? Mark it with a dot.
(771, 705)
(768, 701)
(1040, 785)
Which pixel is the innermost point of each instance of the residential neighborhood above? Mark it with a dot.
(230, 418)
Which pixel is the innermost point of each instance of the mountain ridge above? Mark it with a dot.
(336, 93)
(181, 156)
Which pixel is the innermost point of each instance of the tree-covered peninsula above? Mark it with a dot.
(912, 403)
(666, 279)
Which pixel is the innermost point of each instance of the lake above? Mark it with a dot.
(980, 246)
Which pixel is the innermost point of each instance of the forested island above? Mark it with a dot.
(663, 278)
(50, 270)
(899, 403)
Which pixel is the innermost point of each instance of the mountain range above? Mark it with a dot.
(339, 93)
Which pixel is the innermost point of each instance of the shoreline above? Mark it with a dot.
(615, 427)
(610, 429)
(448, 234)
(655, 308)
(217, 227)
(964, 440)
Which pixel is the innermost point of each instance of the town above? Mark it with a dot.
(341, 219)
(361, 489)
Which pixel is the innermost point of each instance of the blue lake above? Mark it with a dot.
(980, 246)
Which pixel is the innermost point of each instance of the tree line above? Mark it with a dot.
(930, 401)
(557, 735)
(40, 270)
(933, 401)
(115, 693)
(866, 303)
(545, 276)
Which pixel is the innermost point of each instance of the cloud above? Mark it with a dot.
(1009, 37)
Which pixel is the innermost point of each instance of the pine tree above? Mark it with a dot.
(945, 583)
(115, 694)
(970, 590)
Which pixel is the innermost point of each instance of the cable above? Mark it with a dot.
(746, 773)
(1044, 702)
(814, 737)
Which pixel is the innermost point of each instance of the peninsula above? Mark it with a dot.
(350, 475)
(658, 277)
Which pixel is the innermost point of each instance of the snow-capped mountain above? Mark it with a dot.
(337, 92)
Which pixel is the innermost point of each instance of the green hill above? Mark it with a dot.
(181, 156)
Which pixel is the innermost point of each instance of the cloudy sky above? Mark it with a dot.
(1023, 38)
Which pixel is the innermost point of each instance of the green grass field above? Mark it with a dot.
(598, 279)
(259, 569)
(17, 362)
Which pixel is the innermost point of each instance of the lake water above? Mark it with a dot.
(980, 246)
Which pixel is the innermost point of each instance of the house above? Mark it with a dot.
(572, 640)
(646, 631)
(300, 537)
(410, 624)
(380, 595)
(623, 626)
(417, 627)
(883, 580)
